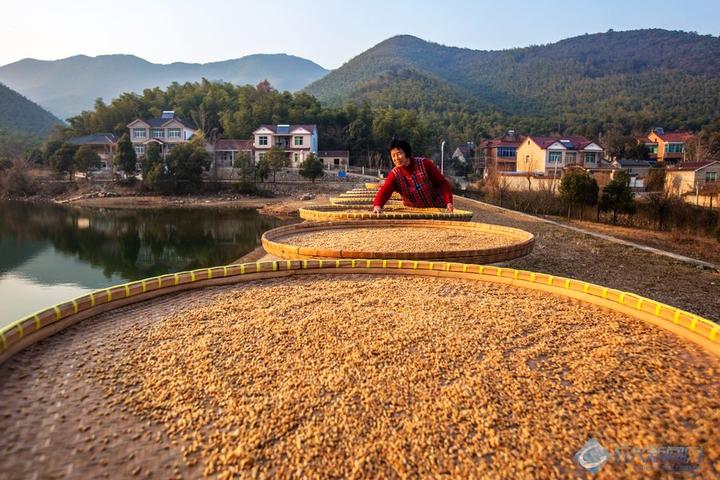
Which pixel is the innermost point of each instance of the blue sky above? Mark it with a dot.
(324, 31)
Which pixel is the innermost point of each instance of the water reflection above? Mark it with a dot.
(52, 248)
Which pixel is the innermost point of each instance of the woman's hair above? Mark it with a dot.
(402, 145)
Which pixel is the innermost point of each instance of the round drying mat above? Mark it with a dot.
(353, 368)
(357, 212)
(399, 239)
(373, 186)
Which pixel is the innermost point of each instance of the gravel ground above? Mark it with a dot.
(409, 376)
(399, 239)
(560, 251)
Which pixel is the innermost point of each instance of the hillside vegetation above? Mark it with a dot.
(627, 80)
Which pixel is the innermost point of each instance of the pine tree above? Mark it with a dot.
(125, 157)
(311, 168)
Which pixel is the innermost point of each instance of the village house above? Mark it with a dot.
(691, 177)
(296, 141)
(226, 153)
(637, 169)
(549, 155)
(666, 147)
(500, 154)
(334, 159)
(166, 131)
(104, 144)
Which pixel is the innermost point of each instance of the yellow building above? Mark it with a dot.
(549, 155)
(668, 147)
(691, 177)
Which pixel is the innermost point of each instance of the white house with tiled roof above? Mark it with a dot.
(549, 155)
(297, 141)
(166, 131)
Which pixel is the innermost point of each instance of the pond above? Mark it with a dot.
(52, 253)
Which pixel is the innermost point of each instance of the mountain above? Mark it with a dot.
(20, 115)
(68, 86)
(654, 75)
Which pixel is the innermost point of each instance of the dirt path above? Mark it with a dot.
(561, 251)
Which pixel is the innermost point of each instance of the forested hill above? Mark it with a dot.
(20, 115)
(628, 80)
(68, 86)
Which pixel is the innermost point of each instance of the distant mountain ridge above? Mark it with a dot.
(68, 86)
(20, 115)
(584, 79)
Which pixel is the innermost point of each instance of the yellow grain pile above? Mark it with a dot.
(399, 239)
(375, 377)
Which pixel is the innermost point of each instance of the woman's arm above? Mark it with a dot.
(385, 192)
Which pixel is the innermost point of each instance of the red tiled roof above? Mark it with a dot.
(333, 153)
(689, 166)
(675, 136)
(233, 144)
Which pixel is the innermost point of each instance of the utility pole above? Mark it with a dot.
(442, 157)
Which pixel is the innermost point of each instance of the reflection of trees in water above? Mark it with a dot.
(137, 244)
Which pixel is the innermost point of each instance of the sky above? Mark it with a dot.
(327, 32)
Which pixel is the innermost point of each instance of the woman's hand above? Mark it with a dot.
(377, 209)
(450, 207)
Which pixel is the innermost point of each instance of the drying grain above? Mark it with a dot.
(399, 239)
(411, 376)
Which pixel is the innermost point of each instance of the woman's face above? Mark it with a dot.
(399, 158)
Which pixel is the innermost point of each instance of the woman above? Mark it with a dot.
(416, 179)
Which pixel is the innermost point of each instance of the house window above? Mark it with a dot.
(673, 148)
(570, 157)
(139, 150)
(590, 157)
(653, 147)
(506, 151)
(263, 140)
(157, 133)
(337, 161)
(298, 141)
(139, 133)
(296, 157)
(173, 133)
(555, 157)
(710, 177)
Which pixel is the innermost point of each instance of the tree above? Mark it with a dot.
(617, 196)
(186, 163)
(578, 187)
(247, 170)
(63, 160)
(655, 181)
(125, 157)
(277, 159)
(153, 157)
(85, 159)
(311, 168)
(262, 169)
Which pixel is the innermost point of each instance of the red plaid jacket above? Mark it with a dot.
(420, 184)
